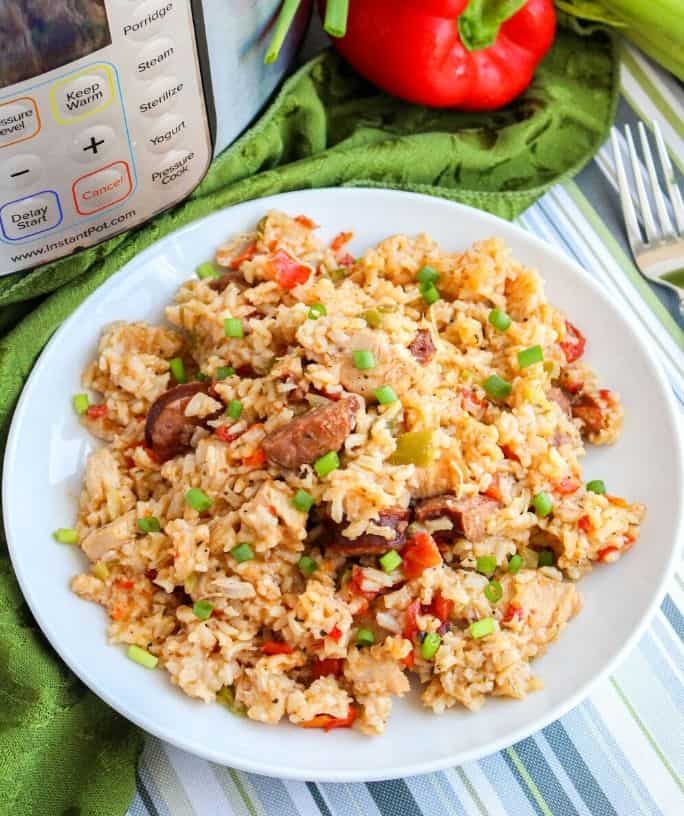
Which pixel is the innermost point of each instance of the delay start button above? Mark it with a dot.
(31, 215)
(102, 188)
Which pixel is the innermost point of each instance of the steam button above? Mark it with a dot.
(155, 58)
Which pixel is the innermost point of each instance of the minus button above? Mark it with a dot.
(20, 172)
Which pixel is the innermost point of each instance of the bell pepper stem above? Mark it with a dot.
(336, 12)
(282, 26)
(478, 25)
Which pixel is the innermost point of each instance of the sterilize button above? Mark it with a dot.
(161, 96)
(169, 131)
(21, 171)
(100, 189)
(92, 145)
(147, 19)
(31, 215)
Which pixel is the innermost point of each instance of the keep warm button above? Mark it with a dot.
(100, 189)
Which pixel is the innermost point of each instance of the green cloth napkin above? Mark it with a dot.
(63, 752)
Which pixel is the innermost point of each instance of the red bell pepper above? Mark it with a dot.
(574, 343)
(420, 553)
(469, 54)
(327, 721)
(287, 272)
(276, 647)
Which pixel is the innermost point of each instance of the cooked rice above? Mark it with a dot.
(288, 363)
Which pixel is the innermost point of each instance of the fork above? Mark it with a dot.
(660, 256)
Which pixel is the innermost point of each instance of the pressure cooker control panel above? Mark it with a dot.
(97, 137)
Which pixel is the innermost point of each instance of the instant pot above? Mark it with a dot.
(112, 110)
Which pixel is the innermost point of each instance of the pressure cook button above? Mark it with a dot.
(30, 216)
(82, 95)
(147, 19)
(21, 171)
(100, 189)
(93, 144)
(161, 96)
(169, 131)
(19, 120)
(173, 169)
(155, 58)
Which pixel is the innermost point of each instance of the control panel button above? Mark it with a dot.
(20, 171)
(169, 130)
(19, 120)
(161, 96)
(93, 144)
(155, 58)
(100, 189)
(29, 216)
(82, 94)
(173, 169)
(147, 19)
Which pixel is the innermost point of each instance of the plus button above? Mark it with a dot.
(94, 144)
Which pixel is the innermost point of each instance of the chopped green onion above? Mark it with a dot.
(596, 486)
(364, 637)
(385, 394)
(497, 387)
(226, 697)
(177, 368)
(198, 499)
(372, 318)
(317, 310)
(303, 501)
(207, 270)
(428, 648)
(201, 376)
(142, 656)
(493, 592)
(149, 524)
(481, 628)
(232, 327)
(202, 609)
(100, 570)
(307, 565)
(243, 552)
(336, 275)
(529, 356)
(234, 409)
(430, 295)
(514, 564)
(547, 558)
(66, 535)
(500, 320)
(363, 359)
(326, 464)
(390, 561)
(223, 372)
(486, 564)
(80, 403)
(542, 503)
(427, 276)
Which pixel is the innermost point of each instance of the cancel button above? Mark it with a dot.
(102, 188)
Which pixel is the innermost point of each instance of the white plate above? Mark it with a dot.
(47, 450)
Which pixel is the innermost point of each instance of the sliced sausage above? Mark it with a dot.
(468, 515)
(422, 346)
(396, 518)
(167, 430)
(220, 283)
(590, 410)
(311, 435)
(561, 399)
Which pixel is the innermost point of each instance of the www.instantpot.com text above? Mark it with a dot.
(70, 240)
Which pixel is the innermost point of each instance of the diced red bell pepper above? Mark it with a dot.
(327, 666)
(411, 624)
(287, 272)
(420, 553)
(509, 453)
(441, 607)
(356, 584)
(335, 634)
(346, 260)
(340, 240)
(573, 345)
(96, 411)
(603, 554)
(584, 523)
(255, 459)
(617, 501)
(276, 647)
(410, 659)
(121, 583)
(327, 721)
(305, 221)
(246, 255)
(494, 489)
(567, 486)
(513, 611)
(224, 434)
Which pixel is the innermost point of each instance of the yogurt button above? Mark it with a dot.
(169, 131)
